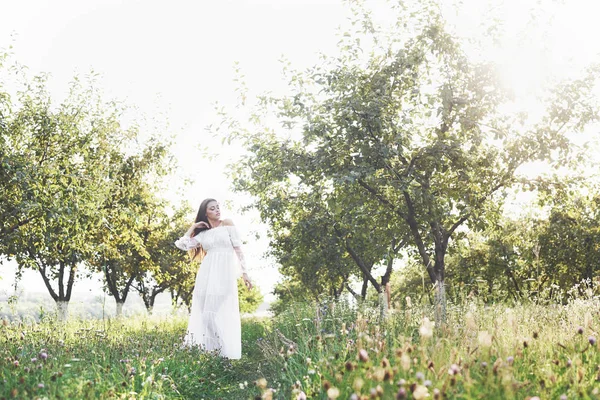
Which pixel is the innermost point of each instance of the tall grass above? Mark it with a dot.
(482, 352)
(334, 350)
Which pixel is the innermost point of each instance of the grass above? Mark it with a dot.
(334, 351)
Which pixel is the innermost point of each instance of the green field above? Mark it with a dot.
(333, 351)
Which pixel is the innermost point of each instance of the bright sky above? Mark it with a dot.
(174, 59)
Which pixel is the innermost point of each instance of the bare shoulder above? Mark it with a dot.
(227, 222)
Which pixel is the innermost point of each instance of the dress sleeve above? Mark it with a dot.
(236, 242)
(234, 236)
(187, 243)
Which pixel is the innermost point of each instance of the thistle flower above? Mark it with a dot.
(401, 395)
(484, 338)
(420, 392)
(363, 355)
(426, 329)
(592, 340)
(510, 360)
(333, 393)
(261, 383)
(454, 369)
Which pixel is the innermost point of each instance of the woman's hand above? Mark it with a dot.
(195, 225)
(201, 224)
(247, 281)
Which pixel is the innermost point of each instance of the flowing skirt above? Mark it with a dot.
(214, 322)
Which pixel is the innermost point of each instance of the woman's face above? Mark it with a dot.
(213, 212)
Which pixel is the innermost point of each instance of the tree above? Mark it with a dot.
(165, 267)
(127, 213)
(62, 190)
(569, 242)
(415, 126)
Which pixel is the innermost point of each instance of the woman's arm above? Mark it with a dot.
(187, 242)
(236, 242)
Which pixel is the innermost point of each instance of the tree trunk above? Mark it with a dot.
(120, 308)
(441, 244)
(383, 306)
(440, 303)
(62, 310)
(365, 285)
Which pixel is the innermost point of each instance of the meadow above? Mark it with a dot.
(331, 351)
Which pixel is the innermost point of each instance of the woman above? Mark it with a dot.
(214, 322)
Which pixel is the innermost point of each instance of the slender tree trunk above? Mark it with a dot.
(62, 310)
(441, 245)
(120, 308)
(365, 285)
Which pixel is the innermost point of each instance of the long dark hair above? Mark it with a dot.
(201, 216)
(198, 253)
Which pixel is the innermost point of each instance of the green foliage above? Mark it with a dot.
(249, 300)
(80, 190)
(400, 135)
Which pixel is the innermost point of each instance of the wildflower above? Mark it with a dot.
(363, 355)
(401, 382)
(510, 360)
(563, 397)
(437, 394)
(401, 395)
(405, 362)
(34, 359)
(41, 385)
(426, 329)
(420, 376)
(470, 323)
(427, 383)
(483, 364)
(420, 392)
(16, 363)
(301, 396)
(333, 393)
(454, 369)
(484, 338)
(580, 330)
(354, 396)
(358, 384)
(43, 355)
(535, 398)
(510, 317)
(261, 383)
(592, 340)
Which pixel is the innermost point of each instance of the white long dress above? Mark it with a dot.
(214, 322)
